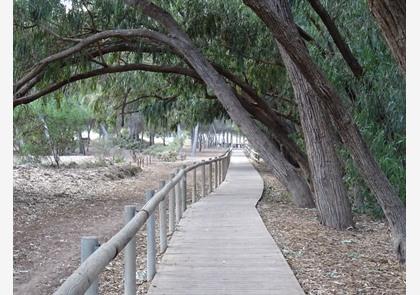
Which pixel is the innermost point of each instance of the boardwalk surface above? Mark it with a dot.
(221, 245)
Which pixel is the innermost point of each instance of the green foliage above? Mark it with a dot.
(379, 104)
(50, 127)
(230, 35)
(128, 143)
(165, 152)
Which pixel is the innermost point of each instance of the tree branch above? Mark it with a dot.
(342, 46)
(45, 28)
(102, 71)
(146, 96)
(129, 33)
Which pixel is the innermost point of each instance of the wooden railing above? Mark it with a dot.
(172, 195)
(252, 154)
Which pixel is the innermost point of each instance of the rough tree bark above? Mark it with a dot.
(330, 193)
(277, 16)
(390, 16)
(282, 169)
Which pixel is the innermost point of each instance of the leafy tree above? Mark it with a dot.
(47, 128)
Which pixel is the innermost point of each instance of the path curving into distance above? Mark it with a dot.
(221, 245)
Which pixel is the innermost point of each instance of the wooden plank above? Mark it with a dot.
(221, 245)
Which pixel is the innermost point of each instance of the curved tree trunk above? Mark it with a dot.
(284, 171)
(390, 16)
(277, 16)
(263, 113)
(329, 190)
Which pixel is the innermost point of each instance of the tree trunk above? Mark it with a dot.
(277, 16)
(82, 150)
(284, 171)
(151, 138)
(200, 142)
(124, 104)
(329, 190)
(104, 132)
(342, 46)
(194, 141)
(180, 137)
(263, 113)
(215, 135)
(53, 148)
(358, 198)
(224, 138)
(390, 16)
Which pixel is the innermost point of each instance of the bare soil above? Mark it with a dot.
(53, 208)
(327, 261)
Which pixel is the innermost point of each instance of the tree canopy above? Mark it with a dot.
(113, 61)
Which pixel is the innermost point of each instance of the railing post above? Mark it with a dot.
(172, 208)
(210, 176)
(184, 190)
(88, 245)
(222, 165)
(222, 170)
(216, 173)
(194, 192)
(130, 256)
(162, 221)
(226, 166)
(203, 179)
(219, 170)
(178, 211)
(151, 241)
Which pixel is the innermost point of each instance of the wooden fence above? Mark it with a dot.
(171, 198)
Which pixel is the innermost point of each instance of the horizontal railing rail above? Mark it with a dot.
(95, 259)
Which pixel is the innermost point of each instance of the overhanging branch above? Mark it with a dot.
(103, 71)
(128, 33)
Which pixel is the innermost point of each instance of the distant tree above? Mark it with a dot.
(50, 128)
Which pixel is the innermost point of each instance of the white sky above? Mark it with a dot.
(67, 4)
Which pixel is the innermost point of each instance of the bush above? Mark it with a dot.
(47, 128)
(165, 152)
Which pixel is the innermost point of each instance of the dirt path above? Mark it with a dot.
(327, 261)
(53, 208)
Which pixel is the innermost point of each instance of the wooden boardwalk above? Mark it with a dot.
(221, 245)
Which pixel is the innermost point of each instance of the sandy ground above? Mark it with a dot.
(326, 261)
(53, 208)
